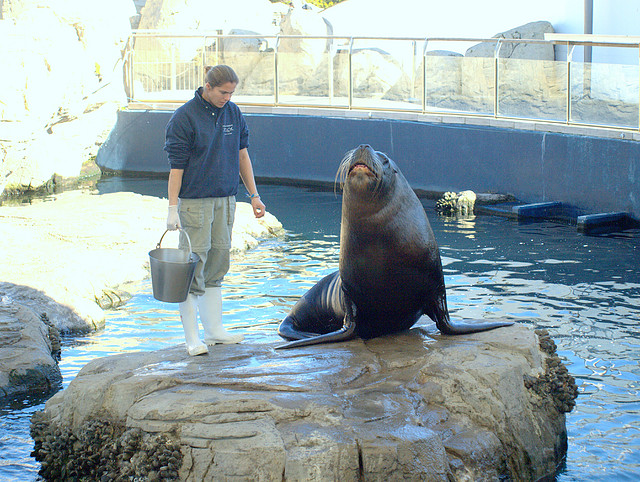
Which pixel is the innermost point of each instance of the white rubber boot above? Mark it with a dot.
(190, 324)
(210, 308)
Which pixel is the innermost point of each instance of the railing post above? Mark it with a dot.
(496, 78)
(350, 93)
(424, 76)
(128, 62)
(173, 73)
(332, 50)
(276, 87)
(218, 45)
(414, 47)
(570, 49)
(203, 59)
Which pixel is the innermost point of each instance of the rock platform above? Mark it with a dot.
(416, 405)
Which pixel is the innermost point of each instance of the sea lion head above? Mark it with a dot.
(366, 171)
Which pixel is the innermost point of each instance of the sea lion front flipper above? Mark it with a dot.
(347, 331)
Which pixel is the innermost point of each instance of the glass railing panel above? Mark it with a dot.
(444, 90)
(165, 68)
(605, 94)
(384, 74)
(339, 64)
(377, 73)
(459, 84)
(532, 89)
(305, 72)
(253, 59)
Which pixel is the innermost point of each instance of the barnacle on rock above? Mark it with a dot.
(54, 336)
(556, 384)
(447, 203)
(102, 450)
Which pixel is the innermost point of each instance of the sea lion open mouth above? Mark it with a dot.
(360, 166)
(361, 160)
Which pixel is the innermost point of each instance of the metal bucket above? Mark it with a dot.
(172, 271)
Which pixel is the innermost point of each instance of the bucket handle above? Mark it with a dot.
(185, 233)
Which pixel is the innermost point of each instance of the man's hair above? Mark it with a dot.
(220, 74)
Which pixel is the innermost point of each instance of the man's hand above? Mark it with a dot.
(173, 220)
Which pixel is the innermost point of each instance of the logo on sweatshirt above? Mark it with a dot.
(227, 129)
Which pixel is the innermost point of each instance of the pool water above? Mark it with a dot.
(584, 289)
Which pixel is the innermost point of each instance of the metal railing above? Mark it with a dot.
(503, 78)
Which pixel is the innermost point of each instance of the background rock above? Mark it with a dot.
(65, 318)
(513, 50)
(301, 57)
(375, 73)
(184, 15)
(416, 405)
(61, 87)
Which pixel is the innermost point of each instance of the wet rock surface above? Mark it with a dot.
(415, 405)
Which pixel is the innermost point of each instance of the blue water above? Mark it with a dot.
(585, 290)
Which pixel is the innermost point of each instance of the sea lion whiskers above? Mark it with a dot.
(343, 169)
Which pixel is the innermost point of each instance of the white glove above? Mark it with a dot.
(173, 220)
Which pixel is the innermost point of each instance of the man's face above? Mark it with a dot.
(220, 95)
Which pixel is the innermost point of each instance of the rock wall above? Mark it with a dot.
(191, 15)
(416, 405)
(62, 83)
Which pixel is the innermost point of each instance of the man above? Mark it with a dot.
(206, 142)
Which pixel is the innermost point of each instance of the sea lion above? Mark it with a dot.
(390, 272)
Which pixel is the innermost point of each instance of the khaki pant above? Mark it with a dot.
(209, 223)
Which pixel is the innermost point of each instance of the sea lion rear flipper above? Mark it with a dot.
(439, 313)
(448, 327)
(463, 327)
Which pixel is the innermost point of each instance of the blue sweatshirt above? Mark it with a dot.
(205, 141)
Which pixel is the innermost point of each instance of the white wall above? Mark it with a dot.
(485, 18)
(616, 17)
(453, 18)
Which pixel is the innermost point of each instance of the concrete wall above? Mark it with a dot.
(591, 173)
